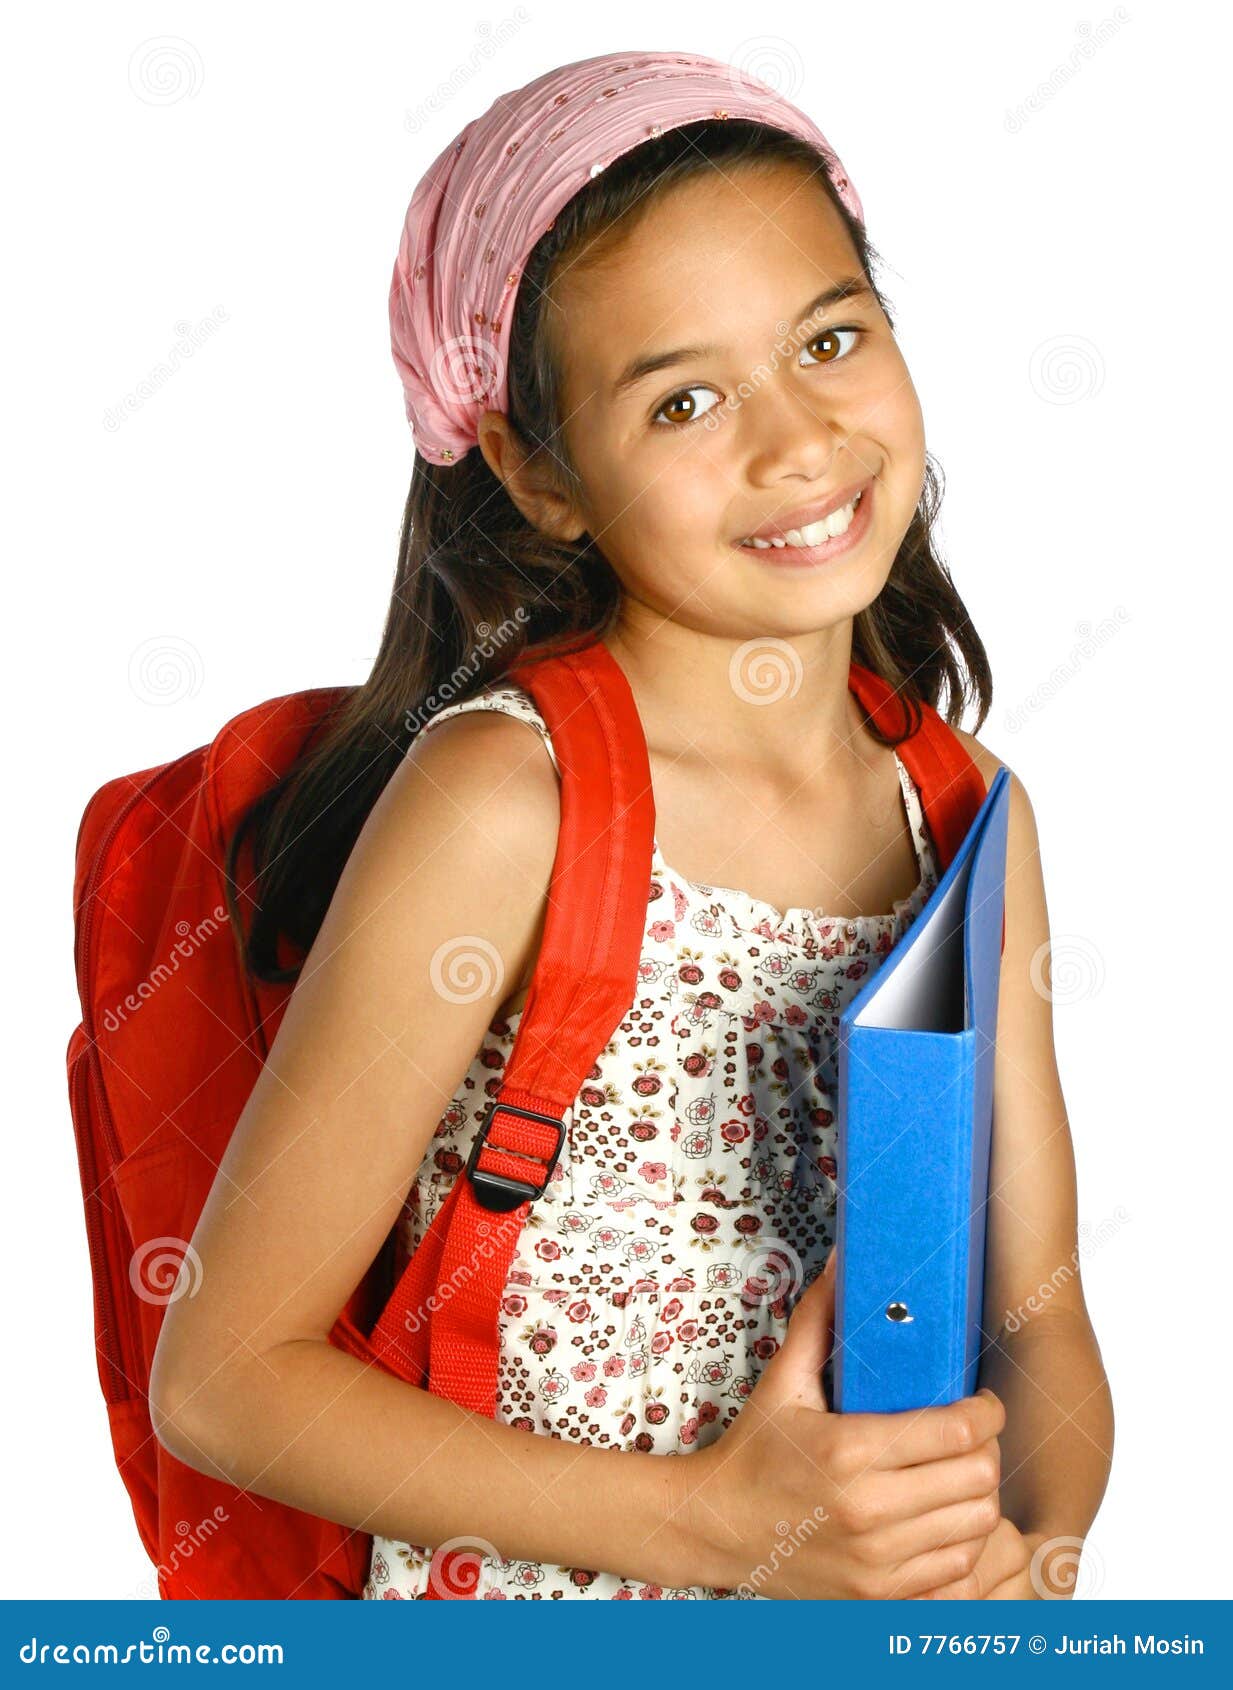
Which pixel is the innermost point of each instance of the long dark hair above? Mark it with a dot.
(478, 590)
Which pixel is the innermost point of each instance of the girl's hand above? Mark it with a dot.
(1002, 1570)
(794, 1501)
(1024, 1585)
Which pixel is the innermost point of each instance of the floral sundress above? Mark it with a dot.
(694, 1198)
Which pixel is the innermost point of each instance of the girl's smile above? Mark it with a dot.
(806, 545)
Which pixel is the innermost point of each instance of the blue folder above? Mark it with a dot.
(915, 1064)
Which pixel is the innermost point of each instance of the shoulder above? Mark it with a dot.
(987, 761)
(495, 719)
(1026, 959)
(1023, 844)
(462, 838)
(504, 701)
(478, 774)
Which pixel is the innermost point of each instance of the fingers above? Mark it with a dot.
(1001, 1561)
(930, 1571)
(910, 1493)
(795, 1371)
(903, 1543)
(932, 1434)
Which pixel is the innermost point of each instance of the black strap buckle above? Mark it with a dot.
(498, 1191)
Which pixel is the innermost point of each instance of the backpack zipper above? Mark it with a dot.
(116, 1384)
(85, 947)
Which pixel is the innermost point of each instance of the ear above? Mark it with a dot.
(530, 482)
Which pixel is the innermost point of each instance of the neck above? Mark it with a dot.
(754, 703)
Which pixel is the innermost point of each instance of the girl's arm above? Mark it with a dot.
(1042, 1357)
(457, 855)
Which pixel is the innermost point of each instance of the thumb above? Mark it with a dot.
(799, 1361)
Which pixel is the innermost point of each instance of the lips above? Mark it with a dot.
(803, 515)
(792, 559)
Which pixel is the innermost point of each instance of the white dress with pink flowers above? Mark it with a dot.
(694, 1198)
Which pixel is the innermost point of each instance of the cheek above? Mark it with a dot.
(680, 490)
(894, 406)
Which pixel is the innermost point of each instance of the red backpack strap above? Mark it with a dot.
(951, 786)
(585, 977)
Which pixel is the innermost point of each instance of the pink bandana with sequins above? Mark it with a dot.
(497, 187)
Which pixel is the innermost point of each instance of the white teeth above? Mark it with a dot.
(828, 529)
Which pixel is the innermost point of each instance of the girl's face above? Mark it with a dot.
(775, 408)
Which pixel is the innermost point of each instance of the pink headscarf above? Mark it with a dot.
(497, 187)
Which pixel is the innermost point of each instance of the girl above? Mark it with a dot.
(657, 402)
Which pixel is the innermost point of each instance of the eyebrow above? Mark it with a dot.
(650, 363)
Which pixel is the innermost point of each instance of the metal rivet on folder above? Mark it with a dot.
(897, 1311)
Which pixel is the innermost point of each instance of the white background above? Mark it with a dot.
(1044, 184)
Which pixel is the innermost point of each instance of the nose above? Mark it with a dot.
(791, 435)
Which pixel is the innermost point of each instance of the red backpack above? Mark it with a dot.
(174, 1032)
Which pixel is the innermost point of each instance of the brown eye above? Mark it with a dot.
(829, 341)
(690, 414)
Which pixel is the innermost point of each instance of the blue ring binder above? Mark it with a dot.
(915, 1064)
